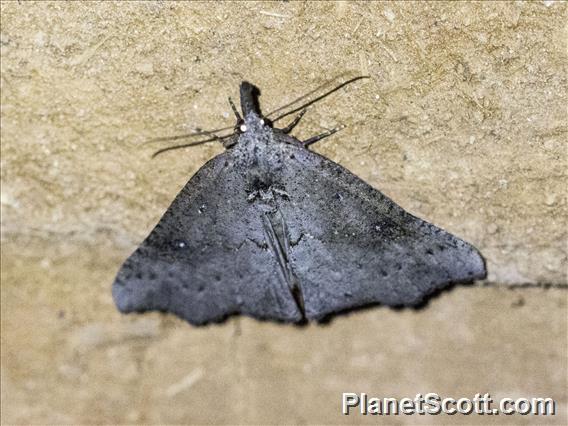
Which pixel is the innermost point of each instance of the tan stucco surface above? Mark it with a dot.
(463, 122)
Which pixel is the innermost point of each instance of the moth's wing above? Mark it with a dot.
(354, 246)
(206, 258)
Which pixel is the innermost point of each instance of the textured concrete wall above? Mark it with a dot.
(463, 123)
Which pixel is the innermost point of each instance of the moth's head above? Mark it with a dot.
(252, 116)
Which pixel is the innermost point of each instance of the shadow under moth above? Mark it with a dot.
(273, 230)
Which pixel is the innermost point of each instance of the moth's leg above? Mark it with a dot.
(296, 120)
(319, 137)
(235, 110)
(229, 142)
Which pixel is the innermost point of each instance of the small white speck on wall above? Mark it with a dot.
(389, 14)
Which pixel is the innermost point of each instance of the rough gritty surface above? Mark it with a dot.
(463, 123)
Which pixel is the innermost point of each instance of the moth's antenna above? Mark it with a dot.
(235, 110)
(199, 132)
(295, 101)
(187, 135)
(329, 92)
(170, 148)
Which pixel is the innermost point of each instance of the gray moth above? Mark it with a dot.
(275, 231)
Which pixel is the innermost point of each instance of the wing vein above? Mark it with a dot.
(280, 246)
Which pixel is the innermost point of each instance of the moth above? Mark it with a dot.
(275, 231)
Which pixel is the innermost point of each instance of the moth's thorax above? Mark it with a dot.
(259, 152)
(254, 131)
